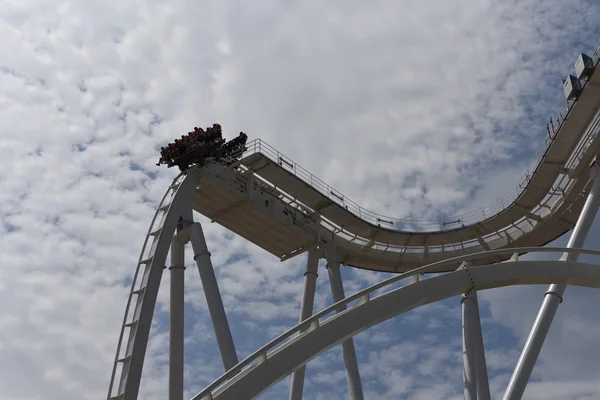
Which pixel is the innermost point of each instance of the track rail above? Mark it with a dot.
(325, 329)
(473, 217)
(150, 263)
(467, 218)
(544, 207)
(262, 355)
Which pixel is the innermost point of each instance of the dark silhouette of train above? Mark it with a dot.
(199, 145)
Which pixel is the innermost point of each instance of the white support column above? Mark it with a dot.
(553, 297)
(306, 310)
(348, 352)
(213, 297)
(483, 385)
(176, 336)
(469, 313)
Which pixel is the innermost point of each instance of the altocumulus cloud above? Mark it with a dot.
(409, 108)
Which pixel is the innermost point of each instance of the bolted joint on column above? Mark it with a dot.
(472, 289)
(468, 296)
(202, 253)
(183, 233)
(552, 292)
(177, 267)
(466, 266)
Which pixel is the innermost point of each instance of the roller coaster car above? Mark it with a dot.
(197, 154)
(208, 147)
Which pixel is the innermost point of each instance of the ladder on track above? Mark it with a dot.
(130, 319)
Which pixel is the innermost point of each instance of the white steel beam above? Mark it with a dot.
(469, 369)
(176, 337)
(151, 274)
(553, 297)
(483, 384)
(280, 360)
(306, 309)
(213, 297)
(348, 351)
(476, 384)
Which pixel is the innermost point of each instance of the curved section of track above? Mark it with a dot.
(145, 284)
(279, 358)
(544, 207)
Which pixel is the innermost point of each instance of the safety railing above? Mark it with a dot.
(413, 224)
(516, 229)
(443, 223)
(423, 225)
(362, 296)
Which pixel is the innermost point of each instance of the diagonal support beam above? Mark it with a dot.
(306, 310)
(213, 297)
(483, 243)
(348, 351)
(478, 232)
(553, 297)
(534, 217)
(368, 245)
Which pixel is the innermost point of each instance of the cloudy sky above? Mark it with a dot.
(408, 108)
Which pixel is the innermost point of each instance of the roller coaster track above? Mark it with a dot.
(144, 288)
(317, 334)
(268, 199)
(540, 208)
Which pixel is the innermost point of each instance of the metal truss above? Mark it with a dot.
(324, 330)
(172, 227)
(287, 212)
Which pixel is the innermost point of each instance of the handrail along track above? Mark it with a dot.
(418, 225)
(262, 354)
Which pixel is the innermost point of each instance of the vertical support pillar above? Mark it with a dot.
(469, 314)
(483, 384)
(306, 309)
(177, 270)
(348, 352)
(213, 297)
(554, 296)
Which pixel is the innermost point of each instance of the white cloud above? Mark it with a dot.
(407, 108)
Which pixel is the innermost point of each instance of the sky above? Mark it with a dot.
(408, 108)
